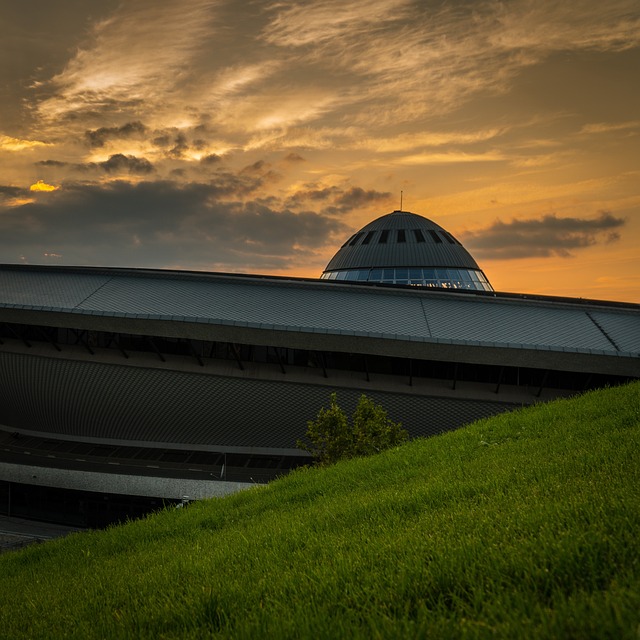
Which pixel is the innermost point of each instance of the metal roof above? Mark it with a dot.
(431, 247)
(340, 314)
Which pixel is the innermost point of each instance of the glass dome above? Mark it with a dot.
(405, 248)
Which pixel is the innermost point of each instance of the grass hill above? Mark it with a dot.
(526, 525)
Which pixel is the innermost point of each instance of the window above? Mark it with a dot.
(426, 277)
(383, 237)
(401, 236)
(435, 236)
(448, 237)
(367, 238)
(388, 275)
(355, 239)
(453, 274)
(418, 234)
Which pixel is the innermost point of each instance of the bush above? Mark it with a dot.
(331, 437)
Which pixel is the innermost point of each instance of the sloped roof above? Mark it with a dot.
(312, 314)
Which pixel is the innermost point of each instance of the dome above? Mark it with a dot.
(405, 248)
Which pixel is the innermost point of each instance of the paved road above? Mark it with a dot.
(18, 532)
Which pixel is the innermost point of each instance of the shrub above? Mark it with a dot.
(330, 437)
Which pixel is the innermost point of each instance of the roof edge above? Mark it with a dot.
(179, 274)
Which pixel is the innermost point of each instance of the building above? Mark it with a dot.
(159, 384)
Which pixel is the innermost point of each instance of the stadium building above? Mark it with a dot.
(121, 388)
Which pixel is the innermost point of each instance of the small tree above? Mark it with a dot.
(372, 430)
(331, 437)
(328, 435)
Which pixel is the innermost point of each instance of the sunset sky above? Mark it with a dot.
(256, 136)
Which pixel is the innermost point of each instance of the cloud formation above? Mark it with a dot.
(119, 163)
(98, 137)
(123, 66)
(411, 59)
(543, 237)
(160, 223)
(418, 59)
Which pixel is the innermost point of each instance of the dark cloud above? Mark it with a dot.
(163, 140)
(98, 137)
(180, 146)
(320, 194)
(119, 163)
(336, 199)
(212, 158)
(542, 237)
(161, 224)
(312, 195)
(357, 197)
(260, 174)
(51, 163)
(294, 157)
(257, 166)
(11, 192)
(175, 143)
(243, 184)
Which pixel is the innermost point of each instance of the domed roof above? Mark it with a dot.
(406, 248)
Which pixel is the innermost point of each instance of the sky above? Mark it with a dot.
(256, 136)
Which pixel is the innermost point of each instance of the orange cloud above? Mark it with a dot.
(41, 185)
(7, 143)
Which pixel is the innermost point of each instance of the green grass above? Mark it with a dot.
(526, 525)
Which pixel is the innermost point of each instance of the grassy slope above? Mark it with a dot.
(525, 525)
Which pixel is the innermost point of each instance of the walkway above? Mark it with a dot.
(16, 533)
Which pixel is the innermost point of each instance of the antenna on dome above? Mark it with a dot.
(400, 200)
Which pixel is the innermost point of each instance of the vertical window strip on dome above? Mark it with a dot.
(367, 238)
(448, 237)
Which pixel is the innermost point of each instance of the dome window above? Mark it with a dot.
(448, 237)
(367, 238)
(348, 241)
